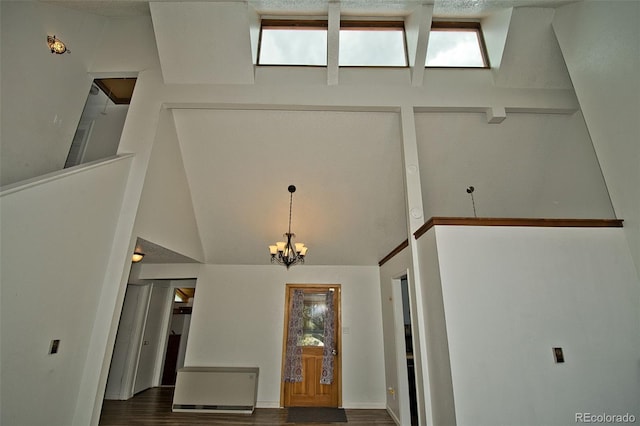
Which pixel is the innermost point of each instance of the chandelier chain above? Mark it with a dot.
(290, 207)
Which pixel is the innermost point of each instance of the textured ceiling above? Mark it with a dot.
(108, 8)
(442, 8)
(481, 8)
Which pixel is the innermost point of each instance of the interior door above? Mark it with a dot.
(148, 358)
(310, 392)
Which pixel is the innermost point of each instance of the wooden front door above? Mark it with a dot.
(310, 392)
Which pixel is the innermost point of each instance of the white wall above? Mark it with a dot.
(38, 121)
(56, 240)
(42, 93)
(548, 170)
(165, 215)
(127, 46)
(238, 320)
(531, 56)
(599, 41)
(105, 133)
(511, 295)
(137, 136)
(438, 358)
(227, 27)
(495, 29)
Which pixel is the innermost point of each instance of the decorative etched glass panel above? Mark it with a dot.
(313, 314)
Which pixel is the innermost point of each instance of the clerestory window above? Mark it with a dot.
(304, 42)
(456, 44)
(293, 42)
(372, 44)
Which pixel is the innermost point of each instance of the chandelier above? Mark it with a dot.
(286, 252)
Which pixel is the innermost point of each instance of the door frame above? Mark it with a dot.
(402, 369)
(338, 337)
(167, 318)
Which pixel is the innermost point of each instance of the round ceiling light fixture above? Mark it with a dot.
(137, 257)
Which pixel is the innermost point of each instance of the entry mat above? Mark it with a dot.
(316, 415)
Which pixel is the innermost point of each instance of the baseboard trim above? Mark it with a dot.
(112, 396)
(364, 405)
(118, 396)
(267, 404)
(393, 416)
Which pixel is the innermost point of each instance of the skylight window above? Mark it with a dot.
(293, 43)
(456, 44)
(372, 44)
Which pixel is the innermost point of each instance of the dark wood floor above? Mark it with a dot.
(153, 407)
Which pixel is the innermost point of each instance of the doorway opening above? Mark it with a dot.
(178, 334)
(100, 127)
(408, 342)
(150, 316)
(311, 358)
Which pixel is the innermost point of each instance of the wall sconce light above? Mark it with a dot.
(56, 45)
(137, 257)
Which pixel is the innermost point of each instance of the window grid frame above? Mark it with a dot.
(323, 24)
(379, 25)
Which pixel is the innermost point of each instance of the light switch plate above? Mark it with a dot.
(558, 355)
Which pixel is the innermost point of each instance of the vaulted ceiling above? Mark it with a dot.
(346, 164)
(347, 168)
